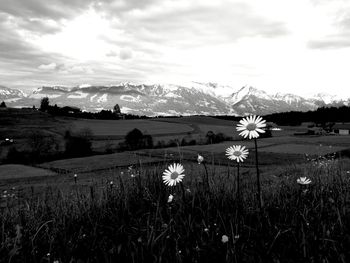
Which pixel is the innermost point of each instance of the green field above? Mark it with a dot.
(15, 171)
(122, 127)
(99, 162)
(117, 209)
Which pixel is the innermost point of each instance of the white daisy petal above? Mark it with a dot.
(260, 130)
(236, 153)
(174, 174)
(251, 126)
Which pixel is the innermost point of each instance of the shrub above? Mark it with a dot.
(78, 145)
(135, 139)
(3, 104)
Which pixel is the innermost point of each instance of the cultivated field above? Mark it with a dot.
(121, 127)
(16, 172)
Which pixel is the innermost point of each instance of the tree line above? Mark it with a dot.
(321, 116)
(114, 114)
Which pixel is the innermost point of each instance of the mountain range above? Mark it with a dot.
(194, 98)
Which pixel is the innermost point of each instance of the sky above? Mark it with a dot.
(289, 46)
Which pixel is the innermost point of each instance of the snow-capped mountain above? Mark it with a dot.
(10, 95)
(187, 99)
(137, 99)
(248, 100)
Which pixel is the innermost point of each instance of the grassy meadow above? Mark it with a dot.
(117, 208)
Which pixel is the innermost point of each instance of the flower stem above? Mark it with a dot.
(258, 175)
(238, 189)
(183, 193)
(207, 177)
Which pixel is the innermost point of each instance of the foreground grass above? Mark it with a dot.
(131, 220)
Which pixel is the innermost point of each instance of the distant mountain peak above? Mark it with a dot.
(169, 99)
(8, 92)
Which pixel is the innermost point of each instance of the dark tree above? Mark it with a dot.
(44, 104)
(116, 109)
(210, 137)
(3, 104)
(78, 146)
(148, 141)
(134, 139)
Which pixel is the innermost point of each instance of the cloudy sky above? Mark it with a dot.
(297, 46)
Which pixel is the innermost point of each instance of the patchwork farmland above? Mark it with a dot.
(210, 215)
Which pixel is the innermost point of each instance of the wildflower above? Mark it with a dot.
(188, 190)
(174, 174)
(132, 175)
(139, 240)
(224, 239)
(303, 181)
(122, 173)
(200, 159)
(206, 229)
(111, 183)
(348, 172)
(251, 126)
(170, 198)
(75, 175)
(237, 152)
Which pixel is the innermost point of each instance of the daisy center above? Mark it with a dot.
(174, 175)
(251, 127)
(237, 153)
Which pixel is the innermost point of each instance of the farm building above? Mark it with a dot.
(342, 129)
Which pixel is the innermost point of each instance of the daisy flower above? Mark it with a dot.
(174, 174)
(170, 198)
(303, 181)
(251, 126)
(200, 159)
(237, 152)
(224, 239)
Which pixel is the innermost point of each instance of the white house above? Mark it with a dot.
(342, 129)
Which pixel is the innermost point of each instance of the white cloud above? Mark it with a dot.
(286, 46)
(51, 66)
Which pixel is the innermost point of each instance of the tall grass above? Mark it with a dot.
(132, 221)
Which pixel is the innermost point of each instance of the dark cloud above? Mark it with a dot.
(57, 9)
(199, 24)
(39, 26)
